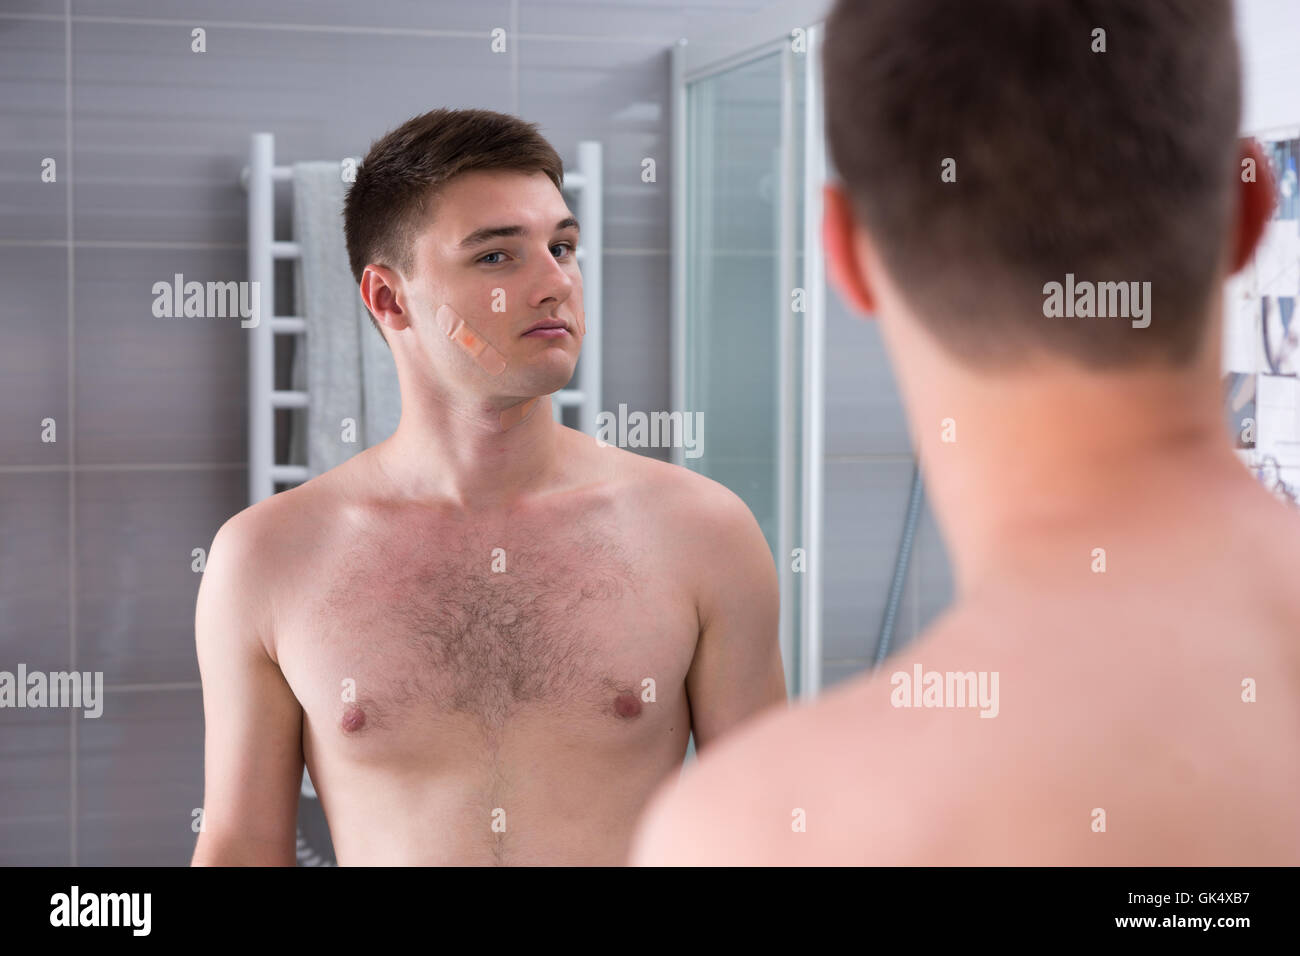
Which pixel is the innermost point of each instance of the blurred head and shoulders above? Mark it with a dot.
(1041, 217)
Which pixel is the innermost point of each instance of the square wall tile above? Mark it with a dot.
(33, 115)
(53, 10)
(140, 779)
(34, 360)
(162, 133)
(35, 785)
(157, 390)
(34, 571)
(136, 589)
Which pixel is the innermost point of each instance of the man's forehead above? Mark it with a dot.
(491, 199)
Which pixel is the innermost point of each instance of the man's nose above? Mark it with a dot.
(554, 282)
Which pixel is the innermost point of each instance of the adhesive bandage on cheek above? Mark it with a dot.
(479, 349)
(515, 414)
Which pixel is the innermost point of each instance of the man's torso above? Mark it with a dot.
(506, 690)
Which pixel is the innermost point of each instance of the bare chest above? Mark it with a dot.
(426, 634)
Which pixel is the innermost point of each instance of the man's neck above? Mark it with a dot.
(1045, 468)
(476, 455)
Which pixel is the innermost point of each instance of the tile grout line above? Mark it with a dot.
(335, 28)
(71, 428)
(127, 244)
(514, 57)
(126, 466)
(889, 458)
(197, 246)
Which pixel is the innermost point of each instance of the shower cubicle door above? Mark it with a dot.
(747, 305)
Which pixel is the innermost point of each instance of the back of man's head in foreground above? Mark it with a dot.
(1114, 166)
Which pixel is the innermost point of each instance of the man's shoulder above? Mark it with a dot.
(264, 522)
(850, 779)
(793, 786)
(676, 495)
(271, 535)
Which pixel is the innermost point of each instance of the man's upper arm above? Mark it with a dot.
(737, 669)
(252, 721)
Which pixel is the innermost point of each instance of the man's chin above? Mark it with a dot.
(543, 376)
(527, 389)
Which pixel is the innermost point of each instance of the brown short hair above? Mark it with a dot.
(1114, 166)
(396, 183)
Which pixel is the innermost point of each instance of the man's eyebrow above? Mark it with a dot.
(488, 233)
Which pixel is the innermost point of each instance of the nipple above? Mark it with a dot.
(354, 718)
(627, 705)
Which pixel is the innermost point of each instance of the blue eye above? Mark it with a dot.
(484, 258)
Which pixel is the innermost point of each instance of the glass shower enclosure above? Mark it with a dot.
(748, 297)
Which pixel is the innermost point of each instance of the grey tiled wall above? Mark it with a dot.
(96, 530)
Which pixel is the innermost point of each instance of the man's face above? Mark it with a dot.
(498, 286)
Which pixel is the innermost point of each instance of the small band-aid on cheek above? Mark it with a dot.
(578, 318)
(479, 349)
(516, 413)
(477, 346)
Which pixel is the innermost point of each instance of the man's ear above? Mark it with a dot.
(846, 271)
(1255, 200)
(385, 296)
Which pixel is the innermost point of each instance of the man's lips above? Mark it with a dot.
(548, 329)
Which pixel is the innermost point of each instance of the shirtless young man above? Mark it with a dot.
(1147, 709)
(489, 637)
